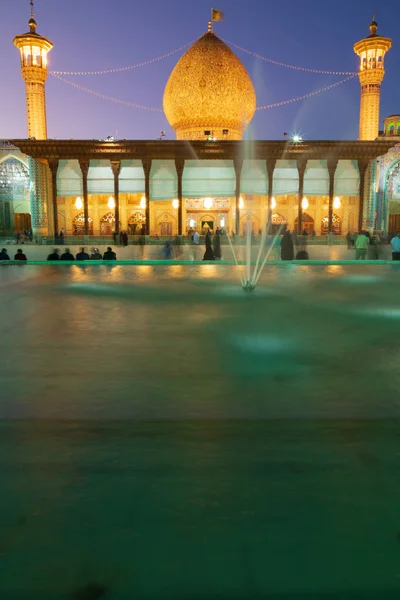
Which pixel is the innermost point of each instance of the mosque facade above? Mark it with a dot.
(209, 176)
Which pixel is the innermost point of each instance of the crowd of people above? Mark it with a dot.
(287, 247)
(82, 255)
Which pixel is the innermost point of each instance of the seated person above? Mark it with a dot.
(67, 255)
(302, 255)
(82, 255)
(20, 255)
(109, 255)
(55, 255)
(95, 254)
(4, 255)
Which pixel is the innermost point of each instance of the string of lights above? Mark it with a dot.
(154, 109)
(287, 66)
(120, 69)
(298, 98)
(104, 97)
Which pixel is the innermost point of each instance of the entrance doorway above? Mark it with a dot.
(78, 225)
(107, 224)
(394, 224)
(166, 228)
(22, 222)
(307, 224)
(336, 225)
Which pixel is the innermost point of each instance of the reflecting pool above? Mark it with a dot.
(164, 435)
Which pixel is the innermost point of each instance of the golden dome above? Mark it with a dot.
(209, 90)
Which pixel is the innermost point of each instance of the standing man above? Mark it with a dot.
(362, 244)
(396, 246)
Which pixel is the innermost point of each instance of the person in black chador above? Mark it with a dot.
(208, 254)
(4, 255)
(82, 255)
(55, 255)
(109, 255)
(96, 255)
(287, 252)
(217, 244)
(124, 238)
(67, 255)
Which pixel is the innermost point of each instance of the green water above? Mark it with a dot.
(164, 435)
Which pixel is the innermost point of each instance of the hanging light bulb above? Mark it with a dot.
(175, 203)
(273, 202)
(336, 203)
(111, 203)
(241, 202)
(143, 202)
(208, 202)
(304, 204)
(78, 203)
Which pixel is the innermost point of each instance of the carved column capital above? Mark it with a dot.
(146, 163)
(332, 166)
(115, 167)
(84, 166)
(301, 166)
(53, 165)
(237, 165)
(271, 163)
(179, 166)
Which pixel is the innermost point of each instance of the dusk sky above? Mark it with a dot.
(106, 34)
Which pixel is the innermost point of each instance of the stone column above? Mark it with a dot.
(362, 167)
(53, 164)
(146, 162)
(271, 162)
(116, 168)
(301, 168)
(332, 165)
(180, 165)
(84, 165)
(238, 164)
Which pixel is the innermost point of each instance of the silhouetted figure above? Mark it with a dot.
(217, 244)
(349, 241)
(20, 255)
(67, 255)
(61, 237)
(142, 241)
(302, 255)
(168, 251)
(82, 255)
(287, 252)
(4, 255)
(115, 237)
(124, 238)
(109, 255)
(208, 254)
(178, 246)
(96, 255)
(55, 255)
(313, 234)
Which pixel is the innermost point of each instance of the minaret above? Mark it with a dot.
(371, 51)
(34, 49)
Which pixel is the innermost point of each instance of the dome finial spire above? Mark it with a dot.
(374, 25)
(32, 22)
(209, 26)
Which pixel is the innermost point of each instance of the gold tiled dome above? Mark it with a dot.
(209, 90)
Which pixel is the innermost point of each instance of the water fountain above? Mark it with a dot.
(249, 281)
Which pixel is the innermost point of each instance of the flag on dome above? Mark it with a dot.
(217, 15)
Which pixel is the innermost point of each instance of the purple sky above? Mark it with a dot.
(103, 34)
